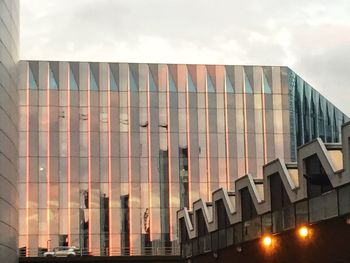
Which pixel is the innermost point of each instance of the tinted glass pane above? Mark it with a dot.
(112, 83)
(191, 87)
(32, 82)
(266, 86)
(72, 81)
(53, 83)
(301, 212)
(152, 84)
(229, 87)
(172, 86)
(183, 168)
(248, 87)
(93, 83)
(133, 86)
(210, 85)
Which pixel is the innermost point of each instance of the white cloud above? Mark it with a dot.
(312, 37)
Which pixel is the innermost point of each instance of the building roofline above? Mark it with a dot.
(154, 63)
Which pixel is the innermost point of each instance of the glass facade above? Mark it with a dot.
(110, 151)
(9, 45)
(312, 115)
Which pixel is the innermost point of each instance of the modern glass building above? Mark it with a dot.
(9, 39)
(110, 151)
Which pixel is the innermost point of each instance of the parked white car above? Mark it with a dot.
(61, 252)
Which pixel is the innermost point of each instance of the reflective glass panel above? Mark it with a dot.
(112, 83)
(133, 86)
(210, 85)
(172, 87)
(229, 87)
(266, 86)
(191, 87)
(93, 83)
(53, 83)
(32, 82)
(72, 81)
(152, 84)
(247, 87)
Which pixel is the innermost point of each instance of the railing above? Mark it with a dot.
(186, 249)
(115, 251)
(283, 219)
(252, 228)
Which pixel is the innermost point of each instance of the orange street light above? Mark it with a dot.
(267, 241)
(303, 232)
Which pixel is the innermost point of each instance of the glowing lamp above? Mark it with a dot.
(303, 232)
(267, 241)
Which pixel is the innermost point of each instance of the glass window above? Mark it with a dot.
(336, 125)
(125, 227)
(152, 84)
(321, 120)
(317, 180)
(329, 123)
(299, 113)
(301, 212)
(152, 77)
(229, 79)
(191, 87)
(252, 228)
(172, 87)
(228, 85)
(52, 80)
(210, 85)
(32, 81)
(266, 223)
(183, 167)
(222, 238)
(201, 225)
(248, 208)
(93, 83)
(283, 219)
(247, 85)
(266, 86)
(112, 83)
(313, 115)
(230, 236)
(222, 219)
(306, 114)
(72, 81)
(279, 196)
(133, 86)
(238, 232)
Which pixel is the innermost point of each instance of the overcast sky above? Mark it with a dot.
(312, 37)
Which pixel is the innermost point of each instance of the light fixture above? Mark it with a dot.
(267, 241)
(347, 220)
(303, 232)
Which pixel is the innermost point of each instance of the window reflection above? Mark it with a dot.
(183, 168)
(146, 160)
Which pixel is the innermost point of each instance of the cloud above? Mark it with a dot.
(312, 37)
(329, 72)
